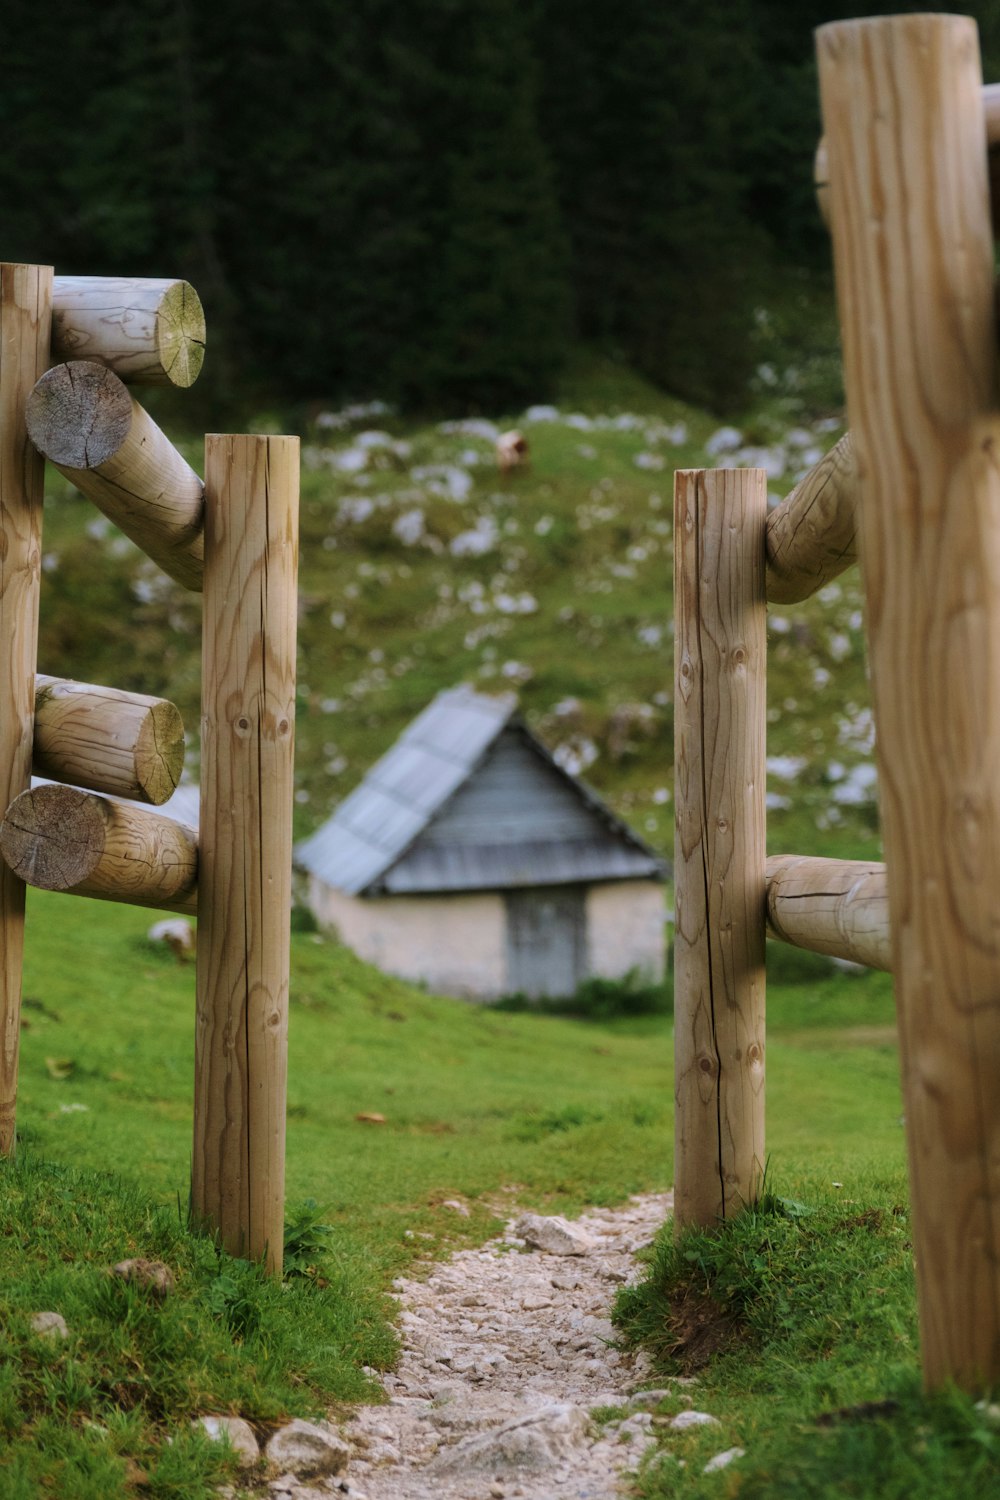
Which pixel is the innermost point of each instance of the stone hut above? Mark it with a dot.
(468, 860)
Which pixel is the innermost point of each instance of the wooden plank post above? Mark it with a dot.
(245, 844)
(25, 333)
(913, 255)
(719, 740)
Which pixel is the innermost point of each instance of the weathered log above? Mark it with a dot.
(991, 119)
(60, 838)
(83, 419)
(124, 744)
(812, 535)
(834, 906)
(25, 318)
(719, 729)
(914, 261)
(149, 332)
(248, 714)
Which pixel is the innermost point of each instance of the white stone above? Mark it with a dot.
(175, 933)
(686, 1419)
(539, 1441)
(236, 1432)
(307, 1449)
(644, 1399)
(554, 1235)
(723, 1460)
(49, 1325)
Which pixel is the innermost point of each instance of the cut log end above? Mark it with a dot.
(159, 752)
(180, 334)
(149, 331)
(79, 414)
(53, 837)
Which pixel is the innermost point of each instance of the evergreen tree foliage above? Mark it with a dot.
(428, 201)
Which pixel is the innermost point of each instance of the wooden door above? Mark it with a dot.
(546, 940)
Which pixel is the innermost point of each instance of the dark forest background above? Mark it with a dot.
(430, 201)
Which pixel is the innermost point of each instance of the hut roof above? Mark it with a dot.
(468, 799)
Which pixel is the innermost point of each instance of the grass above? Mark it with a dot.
(797, 1323)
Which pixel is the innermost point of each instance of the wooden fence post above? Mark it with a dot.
(913, 254)
(25, 331)
(245, 844)
(719, 740)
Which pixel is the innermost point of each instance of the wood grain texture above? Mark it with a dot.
(812, 535)
(913, 254)
(834, 906)
(84, 420)
(25, 330)
(991, 117)
(60, 838)
(150, 332)
(124, 744)
(248, 707)
(719, 729)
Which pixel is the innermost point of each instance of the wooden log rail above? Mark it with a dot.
(839, 907)
(125, 744)
(60, 838)
(811, 537)
(148, 332)
(82, 418)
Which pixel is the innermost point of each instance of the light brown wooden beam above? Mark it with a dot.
(812, 535)
(835, 906)
(149, 332)
(83, 419)
(914, 260)
(719, 728)
(60, 838)
(991, 120)
(244, 899)
(25, 329)
(124, 744)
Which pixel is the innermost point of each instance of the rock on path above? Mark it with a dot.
(506, 1353)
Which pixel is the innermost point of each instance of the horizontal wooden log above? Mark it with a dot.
(812, 535)
(991, 113)
(83, 419)
(835, 906)
(149, 332)
(59, 838)
(124, 744)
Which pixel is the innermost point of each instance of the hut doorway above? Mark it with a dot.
(546, 940)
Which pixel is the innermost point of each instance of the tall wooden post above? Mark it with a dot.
(245, 858)
(719, 749)
(913, 253)
(25, 330)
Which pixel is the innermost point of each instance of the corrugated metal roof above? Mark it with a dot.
(373, 840)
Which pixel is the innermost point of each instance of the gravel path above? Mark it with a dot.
(506, 1353)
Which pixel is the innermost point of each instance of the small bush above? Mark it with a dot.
(599, 999)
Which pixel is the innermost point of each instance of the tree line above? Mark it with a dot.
(428, 202)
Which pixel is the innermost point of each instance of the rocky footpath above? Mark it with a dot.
(508, 1384)
(507, 1352)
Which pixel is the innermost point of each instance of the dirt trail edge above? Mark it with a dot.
(507, 1352)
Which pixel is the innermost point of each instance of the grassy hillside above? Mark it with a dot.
(422, 567)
